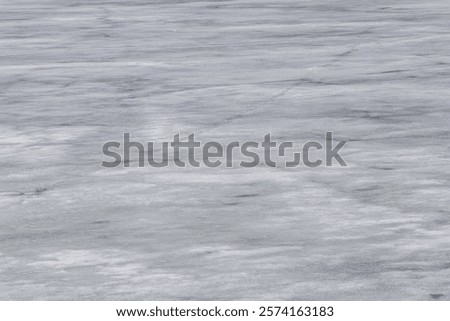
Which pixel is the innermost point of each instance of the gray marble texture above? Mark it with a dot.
(75, 74)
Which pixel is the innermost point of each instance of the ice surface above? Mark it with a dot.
(75, 74)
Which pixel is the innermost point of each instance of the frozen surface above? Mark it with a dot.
(75, 74)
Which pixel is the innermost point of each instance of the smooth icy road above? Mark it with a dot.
(75, 74)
